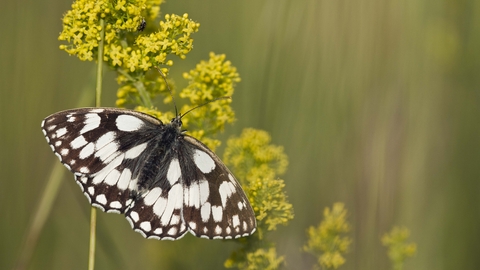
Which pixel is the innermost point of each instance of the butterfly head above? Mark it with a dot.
(177, 121)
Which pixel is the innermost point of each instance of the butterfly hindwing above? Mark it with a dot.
(166, 183)
(217, 207)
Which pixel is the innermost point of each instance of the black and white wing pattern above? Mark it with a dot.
(165, 182)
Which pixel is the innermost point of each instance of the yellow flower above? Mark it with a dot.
(398, 249)
(326, 241)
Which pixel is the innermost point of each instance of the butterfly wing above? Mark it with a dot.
(215, 206)
(102, 146)
(165, 183)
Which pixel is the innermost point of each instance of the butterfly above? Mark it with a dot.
(164, 181)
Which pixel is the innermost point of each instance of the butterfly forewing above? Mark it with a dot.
(165, 182)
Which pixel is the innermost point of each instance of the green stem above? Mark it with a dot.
(98, 95)
(98, 89)
(147, 102)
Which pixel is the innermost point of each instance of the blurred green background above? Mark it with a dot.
(377, 104)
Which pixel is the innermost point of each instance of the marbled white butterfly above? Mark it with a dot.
(164, 181)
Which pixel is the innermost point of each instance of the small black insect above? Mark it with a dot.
(142, 25)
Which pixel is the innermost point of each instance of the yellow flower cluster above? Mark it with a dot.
(326, 241)
(210, 80)
(125, 47)
(258, 163)
(164, 117)
(152, 50)
(398, 249)
(252, 156)
(260, 259)
(81, 24)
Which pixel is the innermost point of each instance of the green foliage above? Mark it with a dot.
(257, 163)
(326, 242)
(398, 249)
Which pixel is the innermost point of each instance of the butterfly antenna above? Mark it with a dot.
(170, 90)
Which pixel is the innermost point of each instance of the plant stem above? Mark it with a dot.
(98, 95)
(98, 89)
(147, 102)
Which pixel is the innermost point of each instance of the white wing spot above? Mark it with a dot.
(175, 200)
(104, 140)
(87, 151)
(71, 119)
(83, 179)
(112, 177)
(205, 212)
(172, 231)
(226, 190)
(240, 206)
(159, 206)
(124, 179)
(152, 196)
(133, 184)
(106, 152)
(175, 220)
(78, 142)
(146, 226)
(192, 225)
(60, 132)
(128, 123)
(92, 121)
(91, 190)
(217, 213)
(58, 143)
(191, 196)
(64, 151)
(52, 127)
(158, 231)
(228, 230)
(101, 199)
(204, 191)
(203, 161)
(174, 172)
(134, 216)
(135, 151)
(235, 221)
(115, 204)
(84, 170)
(218, 230)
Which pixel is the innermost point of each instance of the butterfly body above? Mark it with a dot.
(165, 182)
